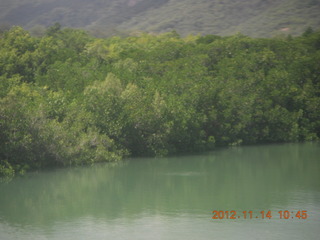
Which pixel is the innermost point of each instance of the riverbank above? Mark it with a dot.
(67, 98)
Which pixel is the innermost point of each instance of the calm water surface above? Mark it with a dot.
(170, 198)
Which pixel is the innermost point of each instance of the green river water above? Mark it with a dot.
(172, 198)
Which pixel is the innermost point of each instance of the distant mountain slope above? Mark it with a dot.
(257, 18)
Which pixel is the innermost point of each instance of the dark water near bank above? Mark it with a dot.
(171, 198)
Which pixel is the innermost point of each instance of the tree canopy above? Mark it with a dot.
(68, 98)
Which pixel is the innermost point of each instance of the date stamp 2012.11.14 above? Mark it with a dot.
(283, 214)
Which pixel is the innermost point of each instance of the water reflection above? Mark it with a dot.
(118, 195)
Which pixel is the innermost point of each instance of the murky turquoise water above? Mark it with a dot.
(171, 198)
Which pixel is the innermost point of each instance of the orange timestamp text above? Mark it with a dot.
(299, 214)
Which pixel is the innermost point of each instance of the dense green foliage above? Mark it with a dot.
(255, 18)
(67, 98)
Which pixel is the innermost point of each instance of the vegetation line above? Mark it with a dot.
(67, 98)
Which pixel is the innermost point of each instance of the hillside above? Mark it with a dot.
(256, 18)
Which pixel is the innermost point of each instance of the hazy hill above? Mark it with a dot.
(257, 18)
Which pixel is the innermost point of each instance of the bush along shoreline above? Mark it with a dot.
(67, 98)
